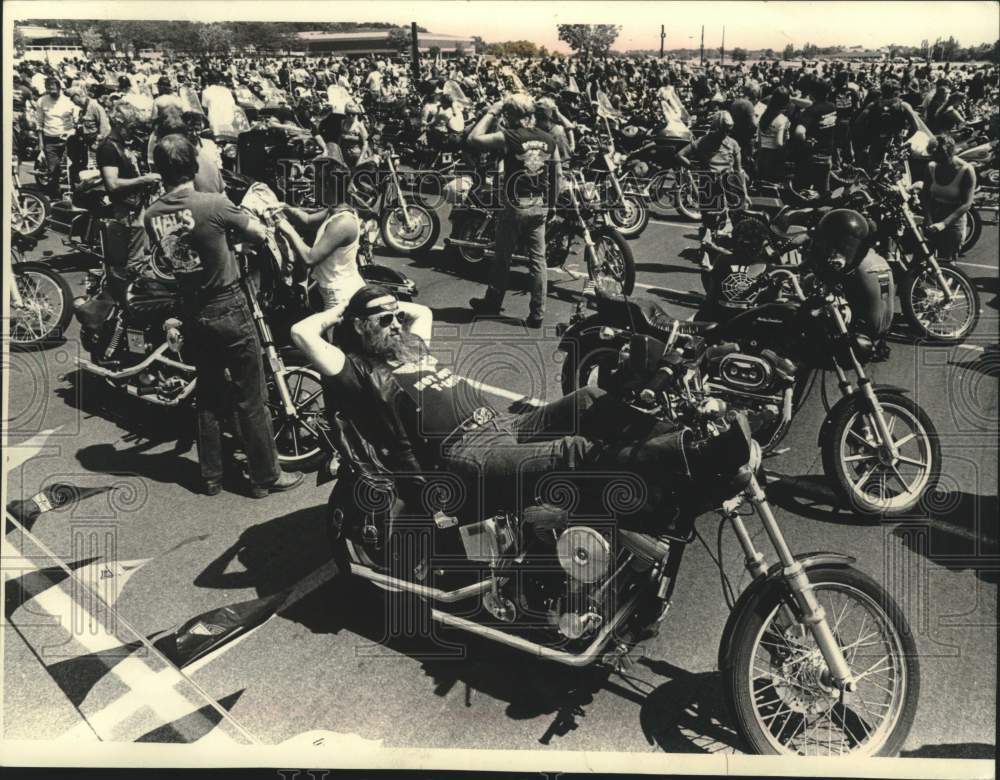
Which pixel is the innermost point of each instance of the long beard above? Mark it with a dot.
(404, 347)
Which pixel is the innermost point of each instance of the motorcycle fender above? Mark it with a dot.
(827, 426)
(580, 332)
(772, 579)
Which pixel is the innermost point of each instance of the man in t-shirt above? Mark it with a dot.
(190, 228)
(125, 245)
(417, 416)
(57, 116)
(528, 192)
(846, 101)
(815, 128)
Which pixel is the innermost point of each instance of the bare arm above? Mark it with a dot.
(113, 183)
(482, 140)
(968, 188)
(308, 335)
(422, 322)
(342, 231)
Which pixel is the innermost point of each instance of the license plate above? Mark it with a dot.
(137, 342)
(446, 157)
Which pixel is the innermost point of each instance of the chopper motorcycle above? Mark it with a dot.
(878, 446)
(581, 216)
(40, 298)
(135, 340)
(799, 670)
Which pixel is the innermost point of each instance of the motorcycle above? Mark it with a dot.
(40, 298)
(581, 216)
(30, 206)
(601, 166)
(938, 300)
(136, 344)
(558, 585)
(878, 446)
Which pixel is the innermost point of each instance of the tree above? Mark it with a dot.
(589, 40)
(399, 39)
(788, 53)
(739, 54)
(214, 37)
(768, 53)
(434, 51)
(479, 44)
(91, 40)
(18, 41)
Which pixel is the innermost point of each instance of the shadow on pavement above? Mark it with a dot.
(813, 497)
(272, 557)
(168, 467)
(954, 750)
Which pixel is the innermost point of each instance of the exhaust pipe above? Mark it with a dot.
(127, 373)
(393, 583)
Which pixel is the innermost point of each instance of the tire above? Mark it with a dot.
(583, 368)
(299, 441)
(687, 197)
(613, 261)
(915, 303)
(630, 220)
(467, 256)
(845, 439)
(35, 210)
(420, 238)
(751, 702)
(47, 307)
(973, 229)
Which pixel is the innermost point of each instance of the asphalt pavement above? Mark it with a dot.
(75, 666)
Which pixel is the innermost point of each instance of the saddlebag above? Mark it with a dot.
(94, 312)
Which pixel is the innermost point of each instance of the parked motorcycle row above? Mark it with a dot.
(816, 657)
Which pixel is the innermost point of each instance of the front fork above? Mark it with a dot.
(928, 256)
(274, 361)
(399, 193)
(810, 612)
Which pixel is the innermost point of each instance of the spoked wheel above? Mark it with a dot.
(467, 230)
(610, 263)
(419, 236)
(45, 307)
(30, 214)
(687, 196)
(779, 688)
(299, 438)
(630, 217)
(873, 481)
(936, 319)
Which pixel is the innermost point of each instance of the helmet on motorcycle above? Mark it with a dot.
(840, 240)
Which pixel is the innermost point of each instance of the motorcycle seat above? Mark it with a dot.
(150, 300)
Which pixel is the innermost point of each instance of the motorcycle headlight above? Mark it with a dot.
(589, 192)
(618, 158)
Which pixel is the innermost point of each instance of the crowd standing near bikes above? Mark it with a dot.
(234, 203)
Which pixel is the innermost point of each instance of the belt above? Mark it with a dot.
(482, 417)
(204, 297)
(57, 138)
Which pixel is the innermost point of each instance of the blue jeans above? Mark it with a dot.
(223, 336)
(586, 430)
(517, 228)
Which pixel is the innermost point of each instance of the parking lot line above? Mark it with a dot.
(977, 265)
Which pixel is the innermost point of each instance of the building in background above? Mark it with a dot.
(49, 44)
(363, 42)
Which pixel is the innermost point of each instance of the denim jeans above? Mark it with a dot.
(586, 430)
(54, 149)
(222, 336)
(520, 228)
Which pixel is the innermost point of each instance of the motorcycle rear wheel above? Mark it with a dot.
(46, 308)
(774, 686)
(920, 296)
(972, 229)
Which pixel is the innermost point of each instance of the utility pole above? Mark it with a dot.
(703, 46)
(722, 50)
(663, 37)
(414, 54)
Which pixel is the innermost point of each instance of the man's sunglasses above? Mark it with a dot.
(385, 320)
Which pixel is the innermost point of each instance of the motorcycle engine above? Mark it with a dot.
(585, 556)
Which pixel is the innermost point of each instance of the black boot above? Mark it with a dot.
(487, 306)
(723, 454)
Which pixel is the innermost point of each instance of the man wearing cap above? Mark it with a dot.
(56, 123)
(415, 415)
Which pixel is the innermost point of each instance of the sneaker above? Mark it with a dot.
(484, 306)
(286, 481)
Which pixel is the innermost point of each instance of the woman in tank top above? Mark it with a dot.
(949, 190)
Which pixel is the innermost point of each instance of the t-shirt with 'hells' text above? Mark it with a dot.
(190, 228)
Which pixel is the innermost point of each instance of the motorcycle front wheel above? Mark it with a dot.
(610, 262)
(420, 236)
(631, 217)
(776, 681)
(45, 308)
(929, 314)
(31, 215)
(299, 439)
(852, 457)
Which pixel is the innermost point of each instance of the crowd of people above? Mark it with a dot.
(756, 117)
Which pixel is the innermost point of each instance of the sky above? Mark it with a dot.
(749, 24)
